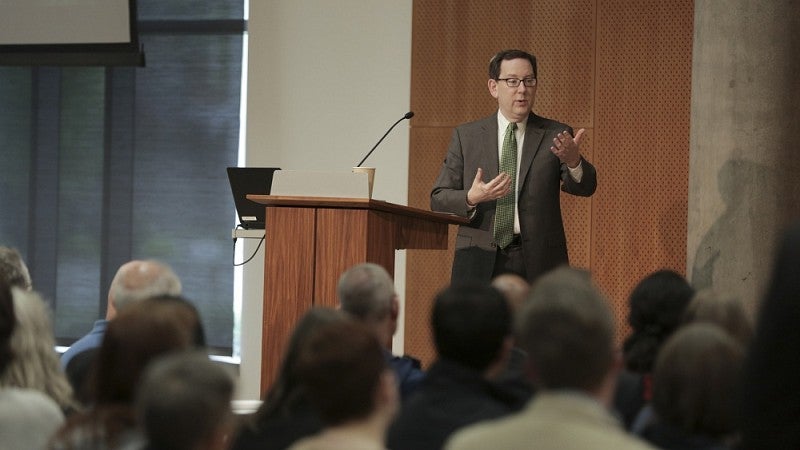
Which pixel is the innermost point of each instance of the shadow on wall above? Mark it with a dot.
(743, 236)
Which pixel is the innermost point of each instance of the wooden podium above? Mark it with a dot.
(310, 241)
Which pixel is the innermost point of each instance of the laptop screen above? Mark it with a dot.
(250, 180)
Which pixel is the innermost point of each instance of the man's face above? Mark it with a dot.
(515, 103)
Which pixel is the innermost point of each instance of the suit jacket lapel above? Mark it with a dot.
(531, 145)
(491, 160)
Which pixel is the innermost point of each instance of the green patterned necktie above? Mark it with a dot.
(504, 212)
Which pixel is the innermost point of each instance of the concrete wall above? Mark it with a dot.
(744, 183)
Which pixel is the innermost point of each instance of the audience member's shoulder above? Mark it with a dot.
(408, 371)
(27, 418)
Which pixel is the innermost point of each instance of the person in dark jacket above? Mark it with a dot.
(472, 333)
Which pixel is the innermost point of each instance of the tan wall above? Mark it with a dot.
(619, 68)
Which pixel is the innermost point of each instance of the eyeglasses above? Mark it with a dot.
(514, 82)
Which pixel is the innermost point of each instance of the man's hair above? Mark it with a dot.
(13, 269)
(366, 291)
(696, 380)
(183, 400)
(507, 55)
(138, 280)
(470, 323)
(341, 367)
(568, 330)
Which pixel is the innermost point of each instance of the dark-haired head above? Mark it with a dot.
(507, 55)
(285, 394)
(657, 305)
(342, 367)
(470, 324)
(140, 333)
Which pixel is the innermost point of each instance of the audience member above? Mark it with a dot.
(141, 332)
(366, 291)
(512, 378)
(727, 311)
(13, 269)
(567, 330)
(345, 374)
(657, 305)
(27, 417)
(696, 383)
(471, 327)
(771, 403)
(184, 403)
(286, 414)
(35, 365)
(134, 281)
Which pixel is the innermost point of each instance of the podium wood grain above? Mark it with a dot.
(310, 241)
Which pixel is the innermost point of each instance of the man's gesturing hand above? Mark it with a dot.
(480, 192)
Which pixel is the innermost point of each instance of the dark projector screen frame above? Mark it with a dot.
(78, 54)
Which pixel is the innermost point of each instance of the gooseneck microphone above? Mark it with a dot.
(407, 115)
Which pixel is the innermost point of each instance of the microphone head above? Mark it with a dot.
(409, 115)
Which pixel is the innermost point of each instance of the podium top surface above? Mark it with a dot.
(356, 203)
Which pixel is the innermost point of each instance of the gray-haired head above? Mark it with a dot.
(568, 331)
(141, 279)
(366, 291)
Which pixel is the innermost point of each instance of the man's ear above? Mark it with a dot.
(492, 84)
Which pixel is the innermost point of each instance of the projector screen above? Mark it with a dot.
(69, 32)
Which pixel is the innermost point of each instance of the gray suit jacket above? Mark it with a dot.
(541, 177)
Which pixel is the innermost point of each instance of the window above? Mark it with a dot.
(102, 165)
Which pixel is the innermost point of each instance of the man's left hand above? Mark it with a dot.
(567, 148)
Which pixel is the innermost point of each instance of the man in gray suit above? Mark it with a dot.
(526, 160)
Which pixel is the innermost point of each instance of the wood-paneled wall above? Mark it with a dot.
(619, 68)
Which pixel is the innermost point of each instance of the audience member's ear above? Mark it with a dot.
(387, 396)
(394, 308)
(501, 360)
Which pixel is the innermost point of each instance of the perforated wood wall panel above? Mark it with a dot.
(621, 70)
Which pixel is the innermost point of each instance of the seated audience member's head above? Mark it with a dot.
(696, 381)
(140, 333)
(184, 403)
(771, 368)
(471, 325)
(514, 288)
(657, 305)
(140, 279)
(284, 395)
(13, 269)
(567, 330)
(366, 291)
(36, 365)
(345, 375)
(727, 311)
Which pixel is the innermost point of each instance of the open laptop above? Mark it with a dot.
(250, 180)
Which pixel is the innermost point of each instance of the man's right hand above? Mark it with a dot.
(481, 192)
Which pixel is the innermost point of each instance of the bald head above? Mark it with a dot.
(513, 287)
(138, 280)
